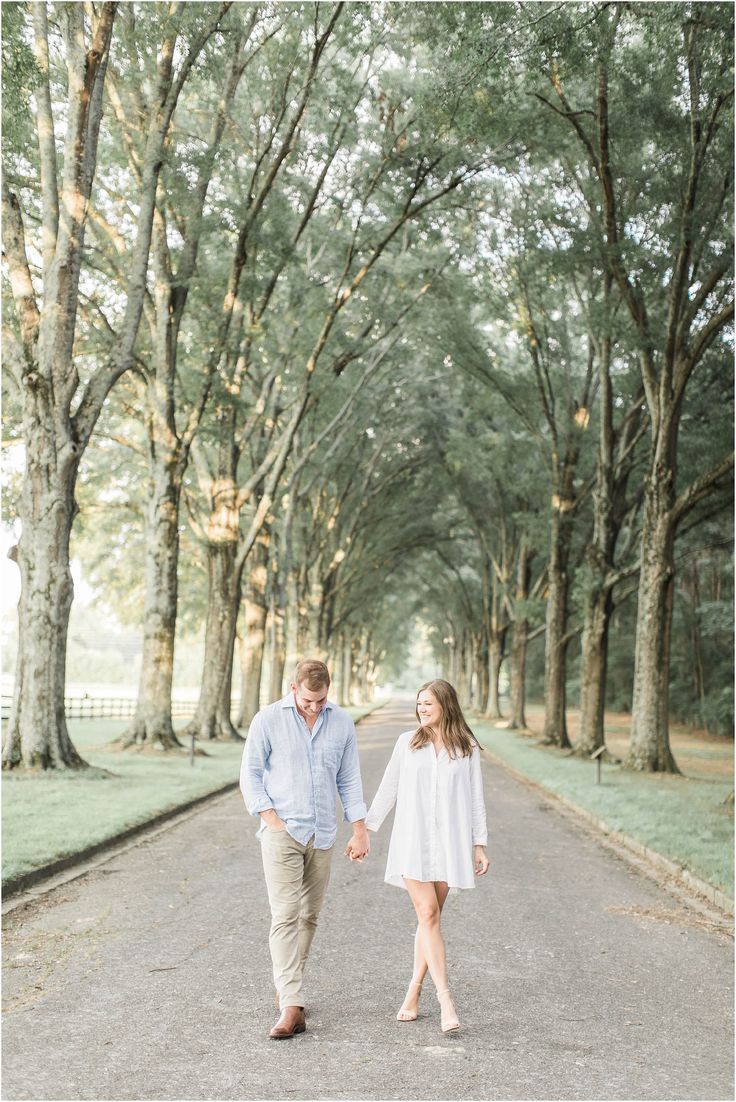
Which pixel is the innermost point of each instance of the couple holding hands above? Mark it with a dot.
(299, 752)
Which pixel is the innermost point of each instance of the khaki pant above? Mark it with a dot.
(296, 878)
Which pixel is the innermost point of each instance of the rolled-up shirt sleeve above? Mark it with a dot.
(252, 768)
(385, 797)
(348, 782)
(480, 830)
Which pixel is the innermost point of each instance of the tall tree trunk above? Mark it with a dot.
(555, 643)
(463, 684)
(361, 691)
(365, 688)
(254, 634)
(470, 664)
(650, 745)
(451, 664)
(481, 673)
(277, 649)
(696, 642)
(495, 656)
(152, 722)
(593, 666)
(291, 641)
(517, 677)
(494, 631)
(212, 717)
(372, 678)
(519, 641)
(313, 625)
(368, 669)
(609, 508)
(369, 688)
(346, 663)
(36, 734)
(563, 503)
(334, 665)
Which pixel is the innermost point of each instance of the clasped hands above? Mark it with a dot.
(358, 847)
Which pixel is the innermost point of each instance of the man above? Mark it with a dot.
(298, 752)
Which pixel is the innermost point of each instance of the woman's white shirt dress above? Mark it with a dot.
(440, 814)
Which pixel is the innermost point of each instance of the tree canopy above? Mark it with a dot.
(324, 321)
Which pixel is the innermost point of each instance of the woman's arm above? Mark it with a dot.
(480, 829)
(385, 797)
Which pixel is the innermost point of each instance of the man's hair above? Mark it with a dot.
(312, 673)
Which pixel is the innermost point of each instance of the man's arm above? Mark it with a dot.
(350, 790)
(252, 768)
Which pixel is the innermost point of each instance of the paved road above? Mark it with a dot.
(575, 977)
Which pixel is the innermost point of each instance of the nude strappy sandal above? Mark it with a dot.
(406, 1015)
(449, 1024)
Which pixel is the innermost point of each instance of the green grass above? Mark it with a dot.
(48, 816)
(682, 818)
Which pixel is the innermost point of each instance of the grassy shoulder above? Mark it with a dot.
(48, 816)
(685, 818)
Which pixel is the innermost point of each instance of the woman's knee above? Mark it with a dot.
(428, 914)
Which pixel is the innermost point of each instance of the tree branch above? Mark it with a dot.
(45, 132)
(701, 488)
(14, 247)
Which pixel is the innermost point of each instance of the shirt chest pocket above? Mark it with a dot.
(328, 756)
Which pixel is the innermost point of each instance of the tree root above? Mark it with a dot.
(160, 737)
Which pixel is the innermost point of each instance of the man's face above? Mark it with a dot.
(309, 702)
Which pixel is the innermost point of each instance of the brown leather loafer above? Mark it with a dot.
(289, 1024)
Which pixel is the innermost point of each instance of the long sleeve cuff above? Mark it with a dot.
(354, 812)
(258, 804)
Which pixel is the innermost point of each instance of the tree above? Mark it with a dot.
(492, 463)
(61, 401)
(353, 221)
(609, 559)
(171, 423)
(436, 331)
(667, 247)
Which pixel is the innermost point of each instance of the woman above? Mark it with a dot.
(439, 834)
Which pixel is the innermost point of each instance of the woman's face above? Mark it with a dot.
(428, 709)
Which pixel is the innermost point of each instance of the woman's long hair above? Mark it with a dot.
(456, 736)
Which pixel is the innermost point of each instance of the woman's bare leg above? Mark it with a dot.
(426, 905)
(410, 1005)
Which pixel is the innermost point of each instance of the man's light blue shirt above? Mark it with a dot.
(296, 771)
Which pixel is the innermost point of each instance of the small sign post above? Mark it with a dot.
(596, 756)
